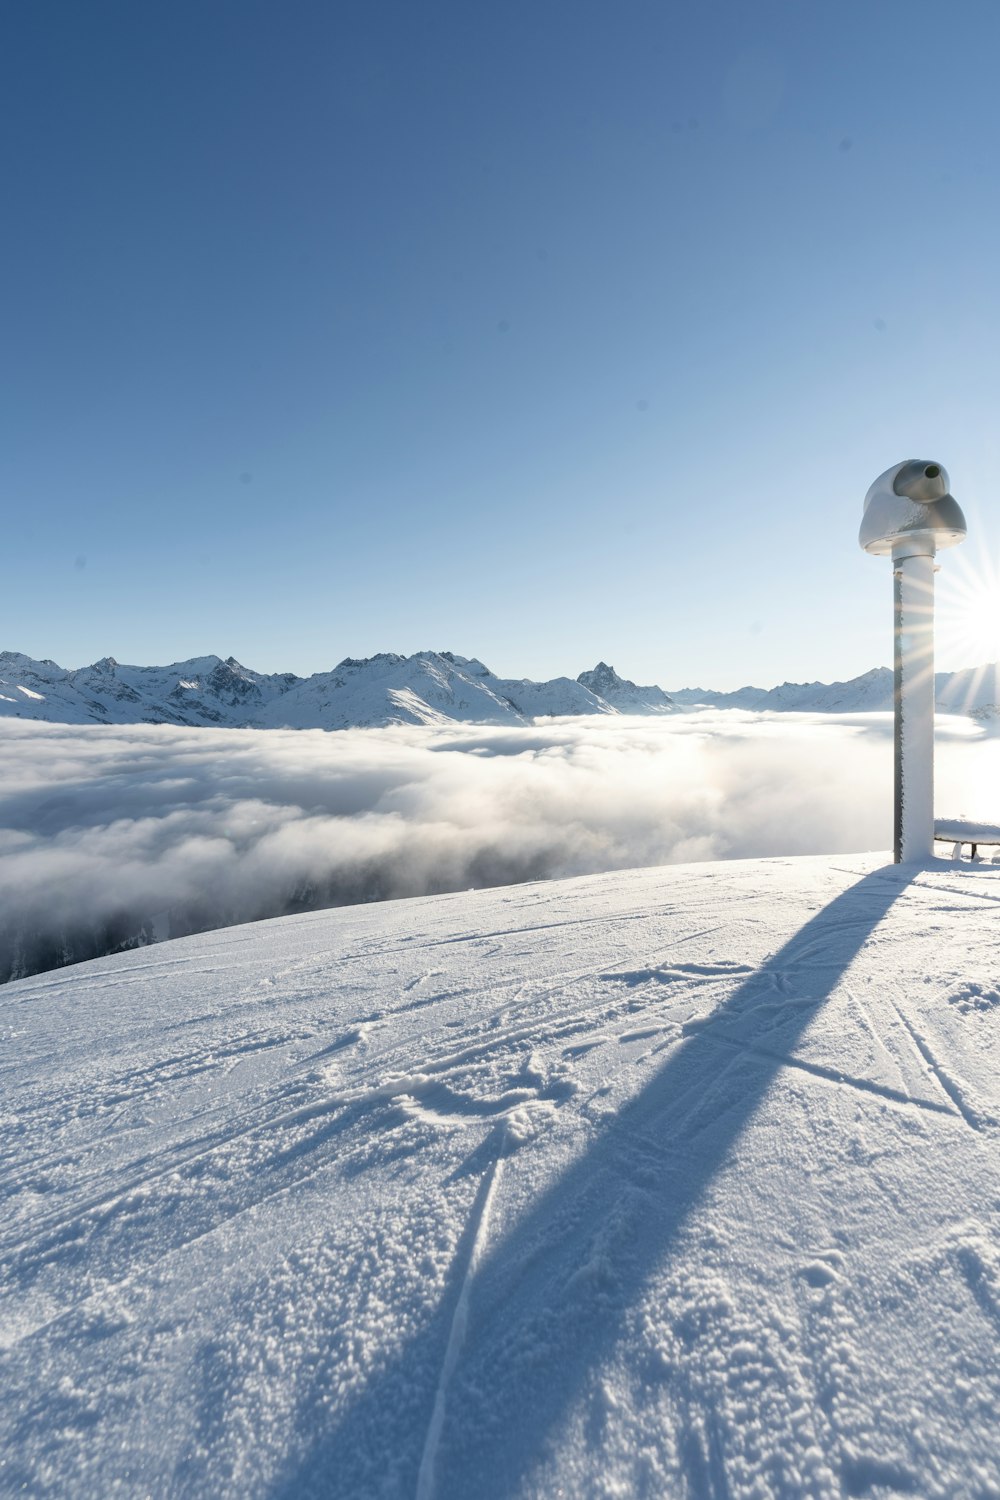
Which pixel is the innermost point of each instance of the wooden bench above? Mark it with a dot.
(960, 831)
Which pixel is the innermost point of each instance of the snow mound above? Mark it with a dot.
(673, 1182)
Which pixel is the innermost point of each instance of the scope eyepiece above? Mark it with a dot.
(920, 481)
(910, 504)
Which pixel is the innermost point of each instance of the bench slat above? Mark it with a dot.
(960, 830)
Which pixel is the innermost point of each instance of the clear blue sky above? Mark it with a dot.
(537, 331)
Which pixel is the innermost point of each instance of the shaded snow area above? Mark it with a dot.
(673, 1182)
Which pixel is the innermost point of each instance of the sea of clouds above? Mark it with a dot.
(115, 835)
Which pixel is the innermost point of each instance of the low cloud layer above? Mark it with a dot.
(111, 836)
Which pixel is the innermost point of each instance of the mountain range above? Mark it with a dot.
(430, 687)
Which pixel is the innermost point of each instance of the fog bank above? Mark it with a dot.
(112, 836)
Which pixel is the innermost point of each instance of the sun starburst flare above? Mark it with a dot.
(968, 623)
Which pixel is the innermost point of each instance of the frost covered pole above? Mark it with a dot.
(909, 516)
(913, 698)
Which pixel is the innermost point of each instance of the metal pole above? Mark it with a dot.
(910, 514)
(913, 594)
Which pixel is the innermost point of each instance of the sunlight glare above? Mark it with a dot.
(968, 624)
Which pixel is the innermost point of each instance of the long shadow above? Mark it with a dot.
(550, 1299)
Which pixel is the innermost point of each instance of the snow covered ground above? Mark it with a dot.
(679, 1181)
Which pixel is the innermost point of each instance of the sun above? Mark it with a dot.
(968, 615)
(971, 627)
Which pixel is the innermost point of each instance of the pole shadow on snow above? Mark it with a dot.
(550, 1298)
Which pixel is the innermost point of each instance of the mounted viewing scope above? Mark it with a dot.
(909, 505)
(909, 516)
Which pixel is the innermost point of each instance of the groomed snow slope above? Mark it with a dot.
(676, 1182)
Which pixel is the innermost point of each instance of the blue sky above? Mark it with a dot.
(537, 331)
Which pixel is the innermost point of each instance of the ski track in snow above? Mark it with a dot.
(680, 1181)
(479, 1226)
(947, 1084)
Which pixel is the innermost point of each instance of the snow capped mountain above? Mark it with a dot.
(973, 690)
(869, 692)
(204, 690)
(430, 687)
(560, 696)
(624, 695)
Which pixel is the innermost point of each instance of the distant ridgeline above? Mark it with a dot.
(431, 687)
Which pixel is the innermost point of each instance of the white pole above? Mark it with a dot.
(910, 514)
(913, 592)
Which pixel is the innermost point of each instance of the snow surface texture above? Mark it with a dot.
(674, 1182)
(116, 836)
(431, 687)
